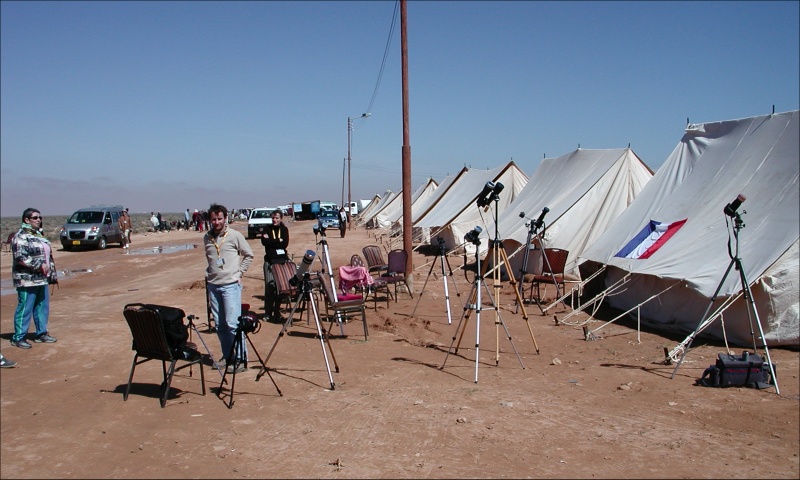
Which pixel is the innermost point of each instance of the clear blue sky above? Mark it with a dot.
(174, 105)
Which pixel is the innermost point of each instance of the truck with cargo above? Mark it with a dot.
(306, 210)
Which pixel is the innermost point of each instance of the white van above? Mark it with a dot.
(259, 220)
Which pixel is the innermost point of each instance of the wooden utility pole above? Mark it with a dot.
(407, 243)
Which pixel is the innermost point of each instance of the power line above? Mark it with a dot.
(385, 55)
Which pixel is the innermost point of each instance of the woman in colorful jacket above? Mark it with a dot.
(33, 270)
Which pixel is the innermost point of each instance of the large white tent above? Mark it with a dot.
(393, 211)
(369, 217)
(585, 191)
(366, 211)
(757, 157)
(455, 212)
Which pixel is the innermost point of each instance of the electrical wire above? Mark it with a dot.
(385, 55)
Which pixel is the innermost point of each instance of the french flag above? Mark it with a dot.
(650, 239)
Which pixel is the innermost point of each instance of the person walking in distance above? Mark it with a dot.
(275, 241)
(229, 256)
(126, 227)
(342, 222)
(33, 270)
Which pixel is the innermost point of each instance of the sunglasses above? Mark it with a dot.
(35, 218)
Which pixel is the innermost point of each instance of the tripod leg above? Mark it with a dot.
(752, 308)
(446, 296)
(285, 327)
(208, 351)
(471, 305)
(478, 328)
(519, 302)
(703, 322)
(237, 345)
(499, 322)
(423, 288)
(263, 367)
(322, 341)
(455, 285)
(464, 317)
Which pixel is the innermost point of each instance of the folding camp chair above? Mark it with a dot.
(150, 342)
(344, 307)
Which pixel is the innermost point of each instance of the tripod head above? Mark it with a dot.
(442, 249)
(535, 225)
(319, 229)
(731, 210)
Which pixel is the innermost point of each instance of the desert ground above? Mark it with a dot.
(578, 409)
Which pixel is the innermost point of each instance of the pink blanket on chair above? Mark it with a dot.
(350, 277)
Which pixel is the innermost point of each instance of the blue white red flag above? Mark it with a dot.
(649, 239)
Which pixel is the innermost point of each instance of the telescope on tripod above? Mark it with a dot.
(731, 210)
(302, 280)
(443, 258)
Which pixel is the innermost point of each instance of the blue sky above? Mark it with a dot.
(174, 105)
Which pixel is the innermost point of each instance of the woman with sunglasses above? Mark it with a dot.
(33, 270)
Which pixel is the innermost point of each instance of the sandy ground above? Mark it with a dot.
(578, 409)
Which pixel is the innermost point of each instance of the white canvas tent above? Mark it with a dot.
(393, 211)
(370, 216)
(757, 157)
(455, 212)
(368, 209)
(585, 191)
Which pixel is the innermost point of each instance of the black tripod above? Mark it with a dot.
(209, 315)
(736, 262)
(533, 229)
(236, 358)
(443, 257)
(304, 299)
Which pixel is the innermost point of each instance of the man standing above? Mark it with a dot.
(187, 219)
(342, 222)
(229, 256)
(275, 241)
(33, 270)
(125, 226)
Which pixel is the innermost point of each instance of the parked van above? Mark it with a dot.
(95, 226)
(259, 220)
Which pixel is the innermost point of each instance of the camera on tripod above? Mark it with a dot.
(440, 241)
(303, 269)
(248, 323)
(319, 229)
(473, 236)
(490, 191)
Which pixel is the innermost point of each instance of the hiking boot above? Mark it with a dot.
(21, 343)
(241, 368)
(6, 363)
(44, 338)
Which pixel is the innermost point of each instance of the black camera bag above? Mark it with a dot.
(745, 370)
(176, 331)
